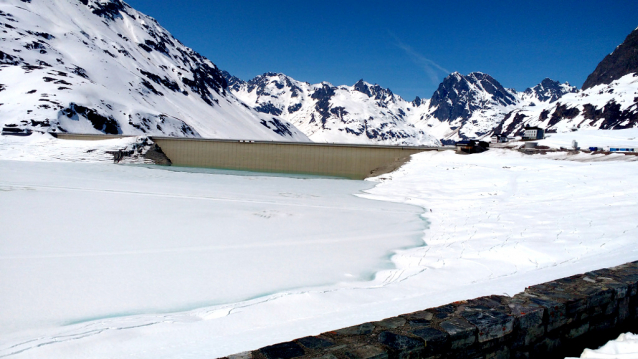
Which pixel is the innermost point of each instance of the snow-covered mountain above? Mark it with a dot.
(607, 107)
(462, 107)
(100, 66)
(547, 91)
(362, 113)
(622, 61)
(608, 100)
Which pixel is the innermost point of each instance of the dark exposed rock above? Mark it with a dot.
(315, 342)
(233, 82)
(562, 112)
(105, 124)
(80, 72)
(6, 59)
(268, 108)
(164, 81)
(323, 96)
(294, 108)
(151, 88)
(283, 351)
(277, 126)
(376, 92)
(623, 61)
(109, 10)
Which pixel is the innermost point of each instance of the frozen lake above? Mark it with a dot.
(106, 261)
(86, 241)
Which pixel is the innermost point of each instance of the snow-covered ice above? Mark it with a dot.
(145, 252)
(624, 347)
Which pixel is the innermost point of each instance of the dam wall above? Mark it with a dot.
(309, 158)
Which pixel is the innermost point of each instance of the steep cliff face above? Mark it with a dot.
(621, 62)
(112, 69)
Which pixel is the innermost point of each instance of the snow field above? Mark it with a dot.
(495, 223)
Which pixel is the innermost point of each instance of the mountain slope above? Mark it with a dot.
(362, 113)
(608, 101)
(623, 61)
(606, 107)
(99, 66)
(462, 107)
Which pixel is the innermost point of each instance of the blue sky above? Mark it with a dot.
(407, 46)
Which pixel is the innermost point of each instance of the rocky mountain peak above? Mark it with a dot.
(623, 61)
(549, 90)
(373, 91)
(459, 96)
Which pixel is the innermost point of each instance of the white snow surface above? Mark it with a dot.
(624, 347)
(58, 55)
(627, 138)
(202, 264)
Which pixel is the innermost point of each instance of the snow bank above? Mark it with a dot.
(625, 347)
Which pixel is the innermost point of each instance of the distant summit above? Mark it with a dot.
(550, 90)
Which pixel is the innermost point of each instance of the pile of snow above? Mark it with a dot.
(496, 222)
(625, 347)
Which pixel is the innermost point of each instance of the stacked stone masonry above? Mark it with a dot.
(549, 320)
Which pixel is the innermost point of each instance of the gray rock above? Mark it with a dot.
(282, 351)
(491, 324)
(315, 342)
(462, 333)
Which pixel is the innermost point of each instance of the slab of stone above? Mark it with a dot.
(555, 311)
(363, 329)
(598, 295)
(315, 342)
(419, 319)
(391, 323)
(491, 324)
(400, 342)
(527, 313)
(285, 350)
(564, 292)
(578, 331)
(435, 340)
(244, 355)
(366, 352)
(462, 333)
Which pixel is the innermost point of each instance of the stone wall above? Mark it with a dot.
(549, 320)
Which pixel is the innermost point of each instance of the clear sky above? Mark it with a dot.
(407, 46)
